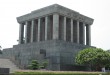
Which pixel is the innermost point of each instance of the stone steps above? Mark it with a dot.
(6, 63)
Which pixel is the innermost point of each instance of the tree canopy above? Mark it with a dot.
(94, 57)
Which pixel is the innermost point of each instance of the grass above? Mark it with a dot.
(58, 73)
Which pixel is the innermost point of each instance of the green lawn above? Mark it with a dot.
(58, 73)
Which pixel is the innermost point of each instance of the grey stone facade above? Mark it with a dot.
(53, 33)
(54, 22)
(58, 53)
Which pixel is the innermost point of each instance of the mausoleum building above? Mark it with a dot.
(53, 33)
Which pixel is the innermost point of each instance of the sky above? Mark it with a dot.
(99, 10)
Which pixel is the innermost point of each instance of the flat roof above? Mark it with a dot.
(55, 8)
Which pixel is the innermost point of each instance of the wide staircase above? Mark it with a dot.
(6, 63)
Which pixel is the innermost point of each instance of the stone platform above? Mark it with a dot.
(59, 54)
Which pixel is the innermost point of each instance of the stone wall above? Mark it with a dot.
(55, 51)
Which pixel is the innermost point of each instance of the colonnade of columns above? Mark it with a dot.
(55, 27)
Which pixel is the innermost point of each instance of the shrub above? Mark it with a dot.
(44, 64)
(34, 65)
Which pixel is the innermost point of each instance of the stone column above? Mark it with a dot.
(46, 27)
(32, 31)
(77, 32)
(39, 21)
(26, 32)
(71, 30)
(55, 26)
(21, 33)
(83, 34)
(88, 35)
(65, 28)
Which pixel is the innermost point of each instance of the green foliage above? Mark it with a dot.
(94, 57)
(34, 65)
(44, 64)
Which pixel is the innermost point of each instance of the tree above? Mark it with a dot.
(34, 65)
(96, 58)
(108, 66)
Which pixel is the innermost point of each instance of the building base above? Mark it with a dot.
(59, 54)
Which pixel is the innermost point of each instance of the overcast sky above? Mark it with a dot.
(99, 10)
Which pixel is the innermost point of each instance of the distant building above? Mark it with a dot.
(53, 33)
